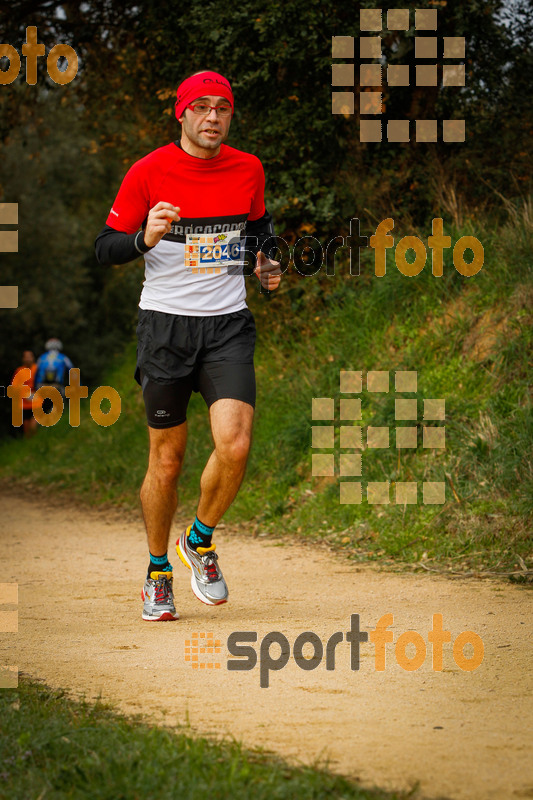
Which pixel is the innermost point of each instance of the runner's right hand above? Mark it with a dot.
(159, 221)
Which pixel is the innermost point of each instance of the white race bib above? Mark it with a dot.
(212, 253)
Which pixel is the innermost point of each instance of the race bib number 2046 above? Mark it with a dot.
(212, 253)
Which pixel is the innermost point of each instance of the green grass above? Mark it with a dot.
(53, 748)
(470, 341)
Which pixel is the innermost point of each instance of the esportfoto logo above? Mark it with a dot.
(468, 650)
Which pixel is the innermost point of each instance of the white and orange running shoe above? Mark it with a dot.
(207, 581)
(158, 598)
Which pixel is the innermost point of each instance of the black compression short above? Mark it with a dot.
(177, 355)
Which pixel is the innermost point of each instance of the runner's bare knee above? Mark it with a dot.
(167, 450)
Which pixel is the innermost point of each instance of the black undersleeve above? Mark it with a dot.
(115, 247)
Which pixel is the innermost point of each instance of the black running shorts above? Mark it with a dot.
(177, 355)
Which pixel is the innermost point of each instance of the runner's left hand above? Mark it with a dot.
(268, 271)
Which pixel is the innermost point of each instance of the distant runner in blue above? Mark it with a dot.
(53, 367)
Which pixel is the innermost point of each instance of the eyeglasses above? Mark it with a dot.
(203, 109)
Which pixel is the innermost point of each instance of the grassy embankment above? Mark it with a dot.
(469, 339)
(51, 747)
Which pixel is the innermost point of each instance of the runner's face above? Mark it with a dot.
(202, 136)
(28, 359)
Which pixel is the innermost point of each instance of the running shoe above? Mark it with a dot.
(207, 581)
(158, 598)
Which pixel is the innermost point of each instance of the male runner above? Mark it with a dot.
(194, 200)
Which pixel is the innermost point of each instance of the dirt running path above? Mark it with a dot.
(461, 734)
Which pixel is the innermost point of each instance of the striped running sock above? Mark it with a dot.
(200, 535)
(159, 564)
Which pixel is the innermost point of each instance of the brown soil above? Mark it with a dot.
(460, 734)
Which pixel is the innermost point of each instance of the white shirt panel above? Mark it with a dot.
(170, 287)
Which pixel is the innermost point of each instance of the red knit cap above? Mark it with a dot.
(201, 85)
